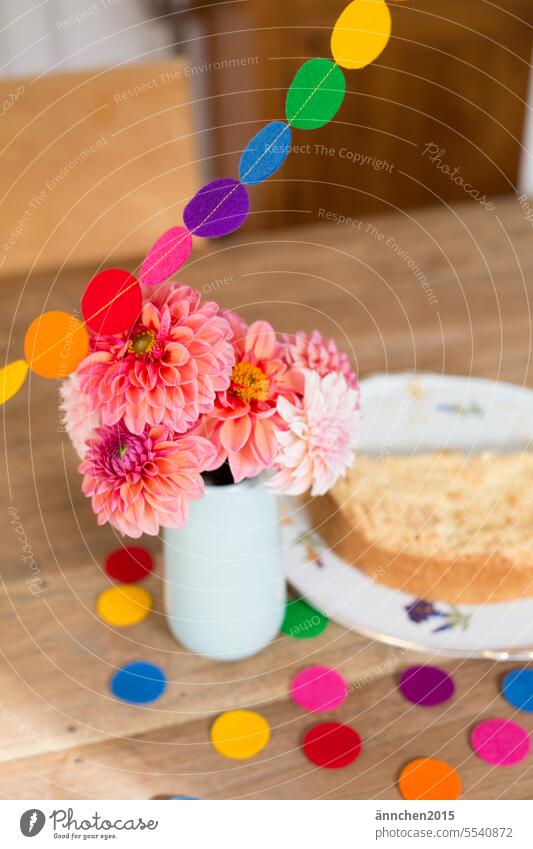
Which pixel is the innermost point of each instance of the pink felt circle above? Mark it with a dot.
(500, 742)
(166, 256)
(318, 689)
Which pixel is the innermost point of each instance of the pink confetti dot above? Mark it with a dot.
(500, 742)
(318, 689)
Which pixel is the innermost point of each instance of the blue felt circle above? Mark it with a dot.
(185, 798)
(265, 153)
(518, 688)
(138, 683)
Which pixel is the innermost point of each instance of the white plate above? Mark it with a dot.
(405, 414)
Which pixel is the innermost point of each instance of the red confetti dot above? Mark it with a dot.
(112, 301)
(332, 745)
(129, 564)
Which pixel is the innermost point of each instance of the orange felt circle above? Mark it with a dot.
(429, 779)
(55, 344)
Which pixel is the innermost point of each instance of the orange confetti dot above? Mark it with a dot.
(55, 344)
(429, 778)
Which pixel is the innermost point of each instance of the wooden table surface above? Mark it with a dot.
(444, 289)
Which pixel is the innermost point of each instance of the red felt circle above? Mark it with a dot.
(129, 564)
(112, 301)
(332, 745)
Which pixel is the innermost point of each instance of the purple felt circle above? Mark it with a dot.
(319, 689)
(500, 742)
(166, 256)
(426, 685)
(218, 209)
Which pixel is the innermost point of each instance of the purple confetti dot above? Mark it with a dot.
(218, 209)
(426, 685)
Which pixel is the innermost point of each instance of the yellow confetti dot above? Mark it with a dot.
(240, 734)
(11, 379)
(124, 605)
(361, 33)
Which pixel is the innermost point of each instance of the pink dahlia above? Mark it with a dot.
(78, 417)
(315, 353)
(139, 482)
(245, 419)
(167, 369)
(320, 436)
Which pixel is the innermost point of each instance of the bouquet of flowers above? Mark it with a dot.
(189, 389)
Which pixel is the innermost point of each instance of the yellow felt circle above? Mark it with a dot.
(361, 33)
(240, 734)
(124, 605)
(11, 379)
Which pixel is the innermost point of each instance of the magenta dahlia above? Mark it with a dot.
(139, 482)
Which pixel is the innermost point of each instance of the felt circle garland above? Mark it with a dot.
(55, 344)
(129, 564)
(301, 621)
(429, 779)
(426, 685)
(361, 33)
(124, 605)
(240, 734)
(11, 379)
(500, 742)
(138, 683)
(218, 209)
(315, 95)
(332, 745)
(265, 153)
(319, 689)
(112, 301)
(166, 256)
(518, 689)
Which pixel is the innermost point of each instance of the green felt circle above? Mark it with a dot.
(315, 95)
(302, 621)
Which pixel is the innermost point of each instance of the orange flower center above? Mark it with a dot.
(249, 382)
(142, 343)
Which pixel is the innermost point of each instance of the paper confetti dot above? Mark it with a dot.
(315, 95)
(361, 33)
(112, 301)
(240, 734)
(426, 685)
(265, 153)
(138, 683)
(429, 778)
(500, 742)
(129, 564)
(185, 798)
(12, 377)
(124, 605)
(518, 688)
(318, 689)
(302, 621)
(55, 344)
(332, 745)
(166, 256)
(218, 209)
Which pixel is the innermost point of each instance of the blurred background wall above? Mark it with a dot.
(137, 101)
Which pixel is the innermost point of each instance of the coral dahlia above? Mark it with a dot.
(167, 369)
(139, 482)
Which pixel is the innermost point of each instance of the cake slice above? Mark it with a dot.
(444, 526)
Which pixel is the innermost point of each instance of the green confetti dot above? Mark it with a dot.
(302, 621)
(315, 95)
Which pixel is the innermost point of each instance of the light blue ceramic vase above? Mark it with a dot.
(224, 581)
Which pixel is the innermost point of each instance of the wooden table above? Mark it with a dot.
(61, 734)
